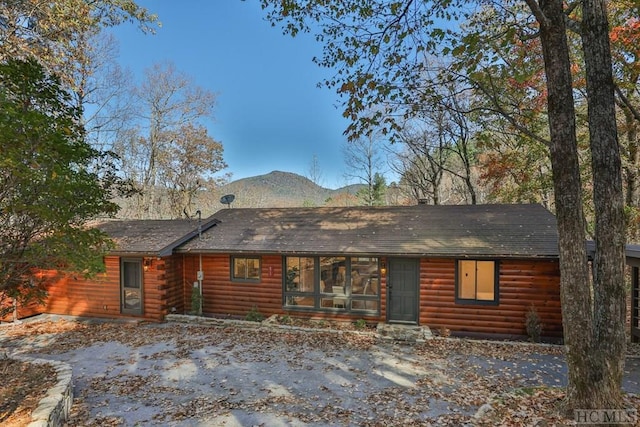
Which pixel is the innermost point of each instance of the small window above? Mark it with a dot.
(476, 282)
(245, 268)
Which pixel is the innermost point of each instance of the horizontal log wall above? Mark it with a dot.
(173, 273)
(168, 283)
(155, 288)
(23, 311)
(225, 297)
(190, 267)
(32, 308)
(99, 296)
(521, 285)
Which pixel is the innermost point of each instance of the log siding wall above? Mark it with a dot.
(174, 302)
(155, 289)
(99, 296)
(222, 296)
(167, 285)
(31, 308)
(522, 283)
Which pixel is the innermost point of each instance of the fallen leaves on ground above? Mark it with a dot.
(539, 406)
(23, 385)
(454, 377)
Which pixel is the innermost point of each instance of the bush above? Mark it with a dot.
(254, 315)
(360, 324)
(196, 301)
(533, 324)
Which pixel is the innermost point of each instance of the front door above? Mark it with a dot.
(402, 286)
(131, 285)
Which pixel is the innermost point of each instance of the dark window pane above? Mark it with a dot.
(131, 274)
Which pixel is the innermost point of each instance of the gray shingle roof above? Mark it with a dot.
(423, 230)
(153, 237)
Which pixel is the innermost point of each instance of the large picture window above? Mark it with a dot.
(332, 283)
(245, 269)
(477, 282)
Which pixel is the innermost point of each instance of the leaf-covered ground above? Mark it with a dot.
(178, 374)
(23, 385)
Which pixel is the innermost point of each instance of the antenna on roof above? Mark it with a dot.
(227, 200)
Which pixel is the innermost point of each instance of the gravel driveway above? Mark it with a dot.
(233, 375)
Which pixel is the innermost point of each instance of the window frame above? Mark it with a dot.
(139, 273)
(319, 294)
(476, 301)
(232, 270)
(290, 281)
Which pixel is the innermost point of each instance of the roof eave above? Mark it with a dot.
(549, 256)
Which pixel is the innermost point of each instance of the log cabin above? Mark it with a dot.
(471, 270)
(632, 260)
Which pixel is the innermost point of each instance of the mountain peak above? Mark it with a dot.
(282, 189)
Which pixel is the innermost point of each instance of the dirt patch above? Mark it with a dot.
(23, 386)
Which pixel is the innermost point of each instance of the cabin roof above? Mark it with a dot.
(509, 231)
(153, 237)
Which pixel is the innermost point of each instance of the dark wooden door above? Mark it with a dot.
(402, 286)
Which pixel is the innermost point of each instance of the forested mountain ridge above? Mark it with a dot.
(276, 189)
(286, 189)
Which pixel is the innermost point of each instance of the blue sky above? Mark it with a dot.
(270, 113)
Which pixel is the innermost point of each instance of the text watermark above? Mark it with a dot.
(605, 416)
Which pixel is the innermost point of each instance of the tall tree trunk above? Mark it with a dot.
(604, 389)
(465, 156)
(470, 188)
(575, 294)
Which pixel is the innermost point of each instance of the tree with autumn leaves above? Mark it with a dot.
(625, 46)
(59, 33)
(49, 186)
(164, 148)
(383, 51)
(153, 132)
(47, 190)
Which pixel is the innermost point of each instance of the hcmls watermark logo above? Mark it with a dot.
(605, 416)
